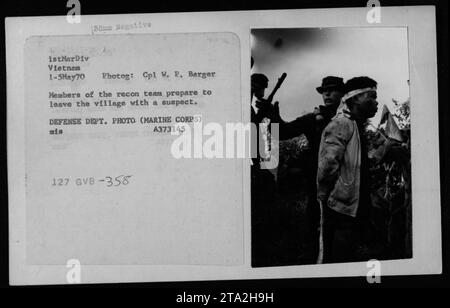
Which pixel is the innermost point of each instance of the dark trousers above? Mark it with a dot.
(262, 201)
(311, 249)
(342, 236)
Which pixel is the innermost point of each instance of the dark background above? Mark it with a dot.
(278, 286)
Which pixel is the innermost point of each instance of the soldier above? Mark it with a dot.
(343, 173)
(259, 84)
(313, 123)
(262, 180)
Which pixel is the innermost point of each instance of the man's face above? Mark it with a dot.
(259, 92)
(332, 97)
(366, 104)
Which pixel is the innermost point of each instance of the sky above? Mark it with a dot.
(309, 54)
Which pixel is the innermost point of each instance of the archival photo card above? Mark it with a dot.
(223, 146)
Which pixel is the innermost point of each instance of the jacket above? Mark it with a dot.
(339, 164)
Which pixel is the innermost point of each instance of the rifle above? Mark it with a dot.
(277, 86)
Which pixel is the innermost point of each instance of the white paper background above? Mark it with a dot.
(424, 107)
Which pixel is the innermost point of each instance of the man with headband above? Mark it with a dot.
(312, 125)
(343, 173)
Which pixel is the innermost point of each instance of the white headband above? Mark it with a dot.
(356, 92)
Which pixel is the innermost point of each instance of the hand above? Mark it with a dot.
(266, 109)
(262, 105)
(318, 114)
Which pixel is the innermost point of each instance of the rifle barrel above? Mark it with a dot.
(277, 86)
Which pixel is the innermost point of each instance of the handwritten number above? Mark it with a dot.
(109, 181)
(118, 180)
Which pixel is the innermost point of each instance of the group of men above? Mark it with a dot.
(339, 187)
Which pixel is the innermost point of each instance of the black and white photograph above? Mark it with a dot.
(261, 147)
(342, 189)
